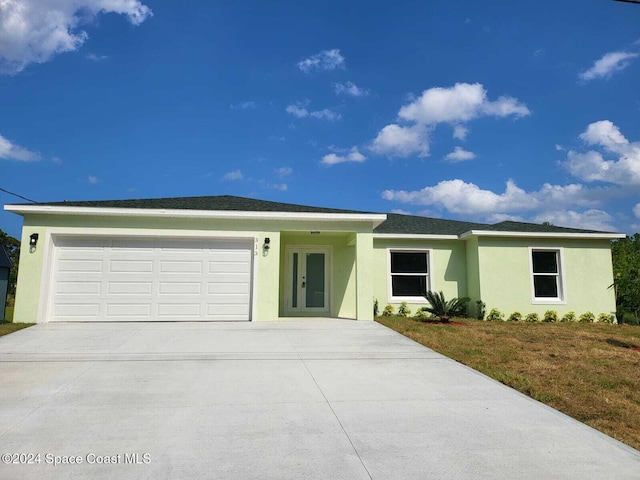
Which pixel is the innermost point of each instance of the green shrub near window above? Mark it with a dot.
(532, 317)
(569, 317)
(587, 317)
(422, 314)
(404, 310)
(550, 316)
(388, 311)
(481, 309)
(605, 318)
(515, 317)
(495, 315)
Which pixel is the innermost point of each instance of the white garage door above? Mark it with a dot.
(150, 279)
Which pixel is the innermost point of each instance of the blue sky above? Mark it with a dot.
(480, 111)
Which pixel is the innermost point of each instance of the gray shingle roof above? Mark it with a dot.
(412, 224)
(395, 223)
(220, 202)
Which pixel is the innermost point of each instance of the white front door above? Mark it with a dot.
(308, 280)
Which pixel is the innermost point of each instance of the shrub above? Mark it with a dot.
(551, 316)
(605, 318)
(587, 317)
(376, 308)
(569, 317)
(404, 310)
(422, 314)
(444, 309)
(388, 311)
(515, 317)
(495, 315)
(532, 317)
(481, 309)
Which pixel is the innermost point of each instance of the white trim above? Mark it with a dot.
(53, 233)
(376, 218)
(430, 281)
(562, 289)
(591, 236)
(328, 251)
(409, 236)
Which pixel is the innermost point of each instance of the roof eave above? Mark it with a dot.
(416, 236)
(376, 219)
(558, 235)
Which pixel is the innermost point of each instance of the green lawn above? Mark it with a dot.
(590, 371)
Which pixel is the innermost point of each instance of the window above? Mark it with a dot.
(409, 272)
(546, 275)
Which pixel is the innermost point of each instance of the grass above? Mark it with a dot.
(7, 327)
(590, 372)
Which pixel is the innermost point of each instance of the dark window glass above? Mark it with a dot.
(408, 285)
(545, 262)
(408, 262)
(545, 286)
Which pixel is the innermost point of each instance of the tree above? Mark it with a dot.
(12, 247)
(626, 274)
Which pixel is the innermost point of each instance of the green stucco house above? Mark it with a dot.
(226, 258)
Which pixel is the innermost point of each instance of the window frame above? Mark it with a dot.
(428, 274)
(561, 299)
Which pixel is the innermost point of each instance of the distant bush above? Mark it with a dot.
(551, 316)
(605, 318)
(569, 317)
(587, 317)
(422, 314)
(495, 315)
(376, 308)
(532, 317)
(443, 309)
(404, 310)
(481, 309)
(515, 317)
(388, 311)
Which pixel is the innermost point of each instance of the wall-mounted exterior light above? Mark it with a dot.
(33, 239)
(266, 245)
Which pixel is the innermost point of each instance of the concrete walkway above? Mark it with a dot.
(296, 399)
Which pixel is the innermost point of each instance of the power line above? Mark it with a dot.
(19, 196)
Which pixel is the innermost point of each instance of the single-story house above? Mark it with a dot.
(223, 258)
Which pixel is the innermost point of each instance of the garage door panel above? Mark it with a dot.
(173, 266)
(138, 279)
(180, 288)
(78, 288)
(129, 288)
(128, 310)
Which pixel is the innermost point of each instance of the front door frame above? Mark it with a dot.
(302, 310)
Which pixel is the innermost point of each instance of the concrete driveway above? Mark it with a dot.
(296, 399)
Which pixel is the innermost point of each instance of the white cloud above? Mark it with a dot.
(92, 180)
(611, 62)
(325, 114)
(278, 186)
(464, 198)
(325, 60)
(34, 31)
(11, 151)
(591, 166)
(636, 210)
(299, 110)
(233, 175)
(352, 155)
(350, 88)
(284, 171)
(396, 141)
(460, 155)
(96, 58)
(590, 219)
(244, 105)
(460, 103)
(455, 105)
(560, 148)
(460, 132)
(57, 160)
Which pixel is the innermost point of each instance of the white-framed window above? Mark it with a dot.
(547, 278)
(409, 271)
